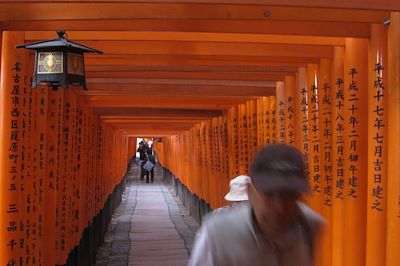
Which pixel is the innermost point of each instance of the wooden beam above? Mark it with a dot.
(272, 76)
(264, 67)
(155, 90)
(153, 130)
(182, 102)
(192, 62)
(154, 120)
(149, 112)
(44, 10)
(180, 82)
(354, 4)
(151, 125)
(207, 48)
(153, 133)
(155, 117)
(186, 36)
(309, 28)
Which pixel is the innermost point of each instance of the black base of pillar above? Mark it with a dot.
(198, 207)
(93, 236)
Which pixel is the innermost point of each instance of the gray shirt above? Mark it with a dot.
(234, 238)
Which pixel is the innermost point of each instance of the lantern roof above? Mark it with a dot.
(60, 42)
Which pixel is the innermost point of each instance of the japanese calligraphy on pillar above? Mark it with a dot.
(59, 178)
(53, 148)
(218, 134)
(231, 142)
(378, 138)
(327, 143)
(100, 140)
(314, 139)
(24, 164)
(28, 184)
(220, 148)
(236, 143)
(339, 126)
(92, 157)
(260, 123)
(204, 143)
(245, 142)
(267, 123)
(86, 162)
(52, 172)
(353, 136)
(290, 120)
(273, 116)
(211, 146)
(241, 138)
(41, 129)
(255, 126)
(281, 118)
(225, 145)
(85, 165)
(12, 205)
(35, 142)
(249, 123)
(71, 176)
(79, 169)
(215, 138)
(65, 163)
(90, 154)
(199, 162)
(305, 139)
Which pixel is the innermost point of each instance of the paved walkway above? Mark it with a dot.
(150, 227)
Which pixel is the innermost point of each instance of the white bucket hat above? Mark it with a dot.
(238, 189)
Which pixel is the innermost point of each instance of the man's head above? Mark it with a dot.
(278, 179)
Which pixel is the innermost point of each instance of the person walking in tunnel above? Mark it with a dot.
(275, 228)
(142, 157)
(149, 167)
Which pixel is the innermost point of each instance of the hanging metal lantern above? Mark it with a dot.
(59, 62)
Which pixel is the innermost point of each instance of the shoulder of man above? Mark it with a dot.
(311, 217)
(233, 217)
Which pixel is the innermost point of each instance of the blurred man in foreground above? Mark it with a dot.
(274, 229)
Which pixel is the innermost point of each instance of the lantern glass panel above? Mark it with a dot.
(75, 64)
(50, 62)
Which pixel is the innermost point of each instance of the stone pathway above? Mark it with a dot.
(150, 227)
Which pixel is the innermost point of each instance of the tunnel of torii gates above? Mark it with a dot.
(214, 82)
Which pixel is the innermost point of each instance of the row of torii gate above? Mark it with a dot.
(64, 153)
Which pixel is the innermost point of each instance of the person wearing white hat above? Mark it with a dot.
(238, 189)
(237, 195)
